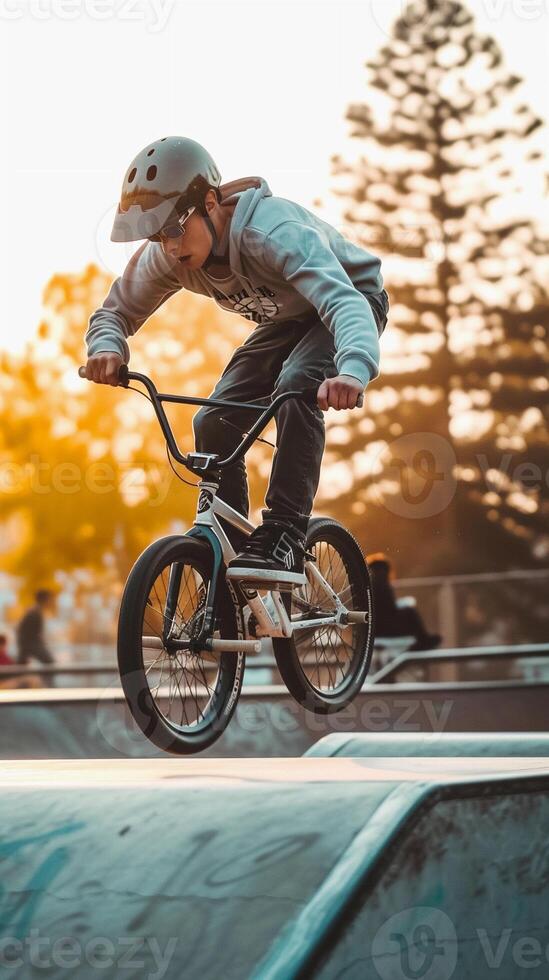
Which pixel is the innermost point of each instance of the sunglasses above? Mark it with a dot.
(174, 230)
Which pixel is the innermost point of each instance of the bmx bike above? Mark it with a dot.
(183, 632)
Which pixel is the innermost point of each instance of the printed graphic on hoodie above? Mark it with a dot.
(242, 302)
(285, 262)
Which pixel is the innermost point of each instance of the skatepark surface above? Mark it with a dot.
(278, 868)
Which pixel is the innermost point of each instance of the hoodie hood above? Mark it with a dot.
(245, 193)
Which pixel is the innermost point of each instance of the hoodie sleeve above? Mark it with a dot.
(146, 283)
(301, 255)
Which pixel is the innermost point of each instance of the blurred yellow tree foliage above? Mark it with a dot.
(85, 478)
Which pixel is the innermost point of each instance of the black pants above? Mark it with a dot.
(277, 357)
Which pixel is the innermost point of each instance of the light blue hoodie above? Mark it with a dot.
(284, 261)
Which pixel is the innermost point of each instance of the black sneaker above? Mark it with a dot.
(271, 558)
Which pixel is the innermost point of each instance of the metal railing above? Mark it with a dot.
(457, 656)
(388, 673)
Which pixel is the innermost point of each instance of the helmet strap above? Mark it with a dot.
(213, 232)
(214, 256)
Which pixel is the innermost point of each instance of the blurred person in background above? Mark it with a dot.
(5, 659)
(396, 617)
(31, 644)
(9, 683)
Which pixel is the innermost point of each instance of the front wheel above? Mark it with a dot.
(181, 701)
(325, 667)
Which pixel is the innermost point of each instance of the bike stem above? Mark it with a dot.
(200, 463)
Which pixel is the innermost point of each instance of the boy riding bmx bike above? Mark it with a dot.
(317, 302)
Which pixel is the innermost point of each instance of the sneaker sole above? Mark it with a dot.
(261, 578)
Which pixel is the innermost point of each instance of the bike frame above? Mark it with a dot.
(210, 508)
(207, 526)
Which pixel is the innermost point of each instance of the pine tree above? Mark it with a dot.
(465, 355)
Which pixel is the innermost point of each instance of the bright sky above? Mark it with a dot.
(263, 84)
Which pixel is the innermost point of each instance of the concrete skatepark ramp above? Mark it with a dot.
(275, 868)
(73, 723)
(440, 744)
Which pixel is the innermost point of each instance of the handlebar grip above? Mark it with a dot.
(309, 396)
(122, 374)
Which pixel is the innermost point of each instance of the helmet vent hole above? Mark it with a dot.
(164, 138)
(150, 153)
(131, 175)
(151, 172)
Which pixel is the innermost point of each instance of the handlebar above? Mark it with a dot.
(122, 374)
(308, 395)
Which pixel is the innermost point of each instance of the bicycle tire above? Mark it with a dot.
(287, 652)
(177, 739)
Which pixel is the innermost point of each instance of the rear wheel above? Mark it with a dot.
(325, 667)
(181, 701)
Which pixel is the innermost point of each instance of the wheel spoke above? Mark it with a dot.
(178, 681)
(329, 655)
